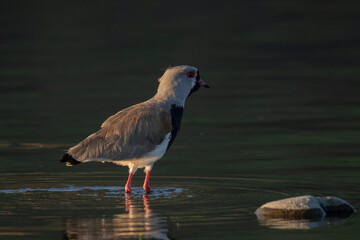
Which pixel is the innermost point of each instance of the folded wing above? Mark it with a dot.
(129, 134)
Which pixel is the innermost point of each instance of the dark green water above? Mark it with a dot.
(282, 117)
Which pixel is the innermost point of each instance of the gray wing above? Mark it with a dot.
(130, 133)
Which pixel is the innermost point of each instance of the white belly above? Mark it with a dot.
(150, 158)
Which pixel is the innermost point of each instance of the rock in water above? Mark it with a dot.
(334, 206)
(304, 212)
(303, 207)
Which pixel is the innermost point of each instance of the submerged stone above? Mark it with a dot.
(304, 212)
(334, 206)
(303, 207)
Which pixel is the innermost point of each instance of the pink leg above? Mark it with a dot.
(146, 186)
(128, 183)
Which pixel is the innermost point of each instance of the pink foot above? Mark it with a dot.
(127, 189)
(146, 186)
(128, 183)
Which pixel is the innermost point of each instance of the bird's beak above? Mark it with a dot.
(204, 84)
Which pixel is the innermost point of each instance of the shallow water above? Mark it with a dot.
(282, 117)
(64, 206)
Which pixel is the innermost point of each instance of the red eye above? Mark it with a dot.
(190, 74)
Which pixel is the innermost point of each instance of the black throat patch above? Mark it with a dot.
(176, 115)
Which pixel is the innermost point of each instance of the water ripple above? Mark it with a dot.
(111, 191)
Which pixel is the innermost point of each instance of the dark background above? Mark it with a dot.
(284, 77)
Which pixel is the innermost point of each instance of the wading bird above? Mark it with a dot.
(140, 135)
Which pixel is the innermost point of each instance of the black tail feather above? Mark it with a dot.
(70, 161)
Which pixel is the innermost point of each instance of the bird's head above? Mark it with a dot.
(179, 82)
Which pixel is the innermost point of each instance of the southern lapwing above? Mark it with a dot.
(140, 135)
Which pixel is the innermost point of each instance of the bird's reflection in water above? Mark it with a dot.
(139, 222)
